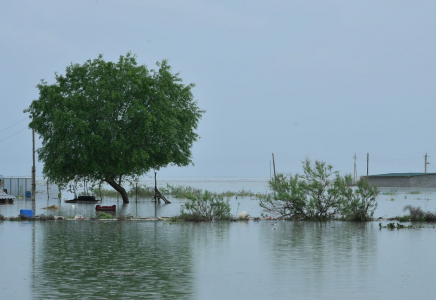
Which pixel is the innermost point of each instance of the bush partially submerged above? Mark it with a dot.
(417, 214)
(360, 203)
(206, 207)
(319, 194)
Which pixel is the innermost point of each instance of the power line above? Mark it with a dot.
(13, 134)
(13, 125)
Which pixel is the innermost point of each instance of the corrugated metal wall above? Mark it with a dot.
(17, 186)
(422, 181)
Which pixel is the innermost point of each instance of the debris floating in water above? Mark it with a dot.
(51, 207)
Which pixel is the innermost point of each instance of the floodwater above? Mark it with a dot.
(219, 260)
(390, 201)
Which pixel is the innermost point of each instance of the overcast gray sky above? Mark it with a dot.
(303, 79)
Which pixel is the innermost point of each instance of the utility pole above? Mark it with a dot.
(274, 166)
(33, 167)
(426, 163)
(355, 168)
(367, 165)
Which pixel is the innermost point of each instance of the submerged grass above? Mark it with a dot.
(103, 215)
(400, 226)
(391, 192)
(416, 214)
(142, 191)
(177, 191)
(182, 192)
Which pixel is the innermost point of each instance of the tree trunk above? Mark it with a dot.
(119, 189)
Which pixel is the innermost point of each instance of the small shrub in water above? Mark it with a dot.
(319, 194)
(391, 192)
(22, 217)
(417, 214)
(104, 215)
(206, 207)
(390, 225)
(404, 218)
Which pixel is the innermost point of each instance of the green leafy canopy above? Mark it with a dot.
(105, 120)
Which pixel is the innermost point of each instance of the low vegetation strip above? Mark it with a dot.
(177, 191)
(416, 214)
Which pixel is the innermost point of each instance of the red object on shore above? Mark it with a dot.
(105, 208)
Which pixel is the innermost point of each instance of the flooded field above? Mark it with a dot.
(391, 201)
(229, 260)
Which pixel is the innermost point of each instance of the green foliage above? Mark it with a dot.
(106, 121)
(390, 225)
(319, 194)
(177, 191)
(23, 217)
(183, 192)
(103, 215)
(418, 215)
(391, 192)
(405, 218)
(397, 226)
(142, 191)
(189, 192)
(206, 207)
(360, 203)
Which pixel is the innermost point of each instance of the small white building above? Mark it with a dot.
(17, 186)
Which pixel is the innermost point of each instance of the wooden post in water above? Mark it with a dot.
(274, 166)
(355, 168)
(367, 165)
(157, 194)
(426, 163)
(155, 187)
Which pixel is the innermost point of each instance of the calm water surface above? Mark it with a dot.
(240, 260)
(248, 260)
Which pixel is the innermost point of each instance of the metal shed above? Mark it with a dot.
(419, 180)
(17, 186)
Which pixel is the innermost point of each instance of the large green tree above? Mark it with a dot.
(106, 121)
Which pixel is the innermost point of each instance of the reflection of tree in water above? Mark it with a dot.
(103, 260)
(313, 254)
